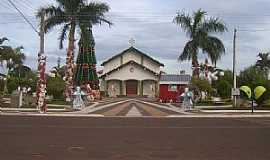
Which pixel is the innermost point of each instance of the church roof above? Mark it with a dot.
(130, 62)
(132, 49)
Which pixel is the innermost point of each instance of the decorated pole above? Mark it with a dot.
(41, 84)
(69, 68)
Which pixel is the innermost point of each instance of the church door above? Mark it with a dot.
(132, 88)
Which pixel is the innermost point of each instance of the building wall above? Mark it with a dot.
(124, 88)
(102, 85)
(131, 56)
(113, 84)
(148, 63)
(114, 63)
(149, 88)
(167, 95)
(137, 74)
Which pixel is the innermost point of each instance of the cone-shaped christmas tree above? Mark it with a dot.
(86, 61)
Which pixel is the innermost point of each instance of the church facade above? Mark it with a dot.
(131, 73)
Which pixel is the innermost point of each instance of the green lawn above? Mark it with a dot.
(58, 102)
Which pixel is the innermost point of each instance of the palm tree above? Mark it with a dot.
(58, 71)
(13, 57)
(264, 62)
(5, 51)
(199, 30)
(15, 60)
(2, 40)
(69, 14)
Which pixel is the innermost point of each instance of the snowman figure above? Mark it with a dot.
(188, 100)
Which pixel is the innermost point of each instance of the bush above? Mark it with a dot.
(56, 87)
(203, 85)
(254, 77)
(14, 82)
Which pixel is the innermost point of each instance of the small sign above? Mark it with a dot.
(235, 92)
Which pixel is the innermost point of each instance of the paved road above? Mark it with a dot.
(105, 138)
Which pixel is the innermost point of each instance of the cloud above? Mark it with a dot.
(150, 23)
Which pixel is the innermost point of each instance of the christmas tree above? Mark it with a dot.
(86, 61)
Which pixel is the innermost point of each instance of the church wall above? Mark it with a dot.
(124, 88)
(131, 56)
(125, 73)
(114, 63)
(151, 65)
(149, 88)
(113, 88)
(102, 85)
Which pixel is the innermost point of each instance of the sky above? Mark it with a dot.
(149, 22)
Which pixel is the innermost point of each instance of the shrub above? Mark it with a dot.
(253, 77)
(55, 87)
(14, 82)
(203, 85)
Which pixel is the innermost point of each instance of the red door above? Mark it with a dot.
(132, 88)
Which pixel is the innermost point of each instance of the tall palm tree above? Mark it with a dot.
(69, 14)
(199, 30)
(264, 62)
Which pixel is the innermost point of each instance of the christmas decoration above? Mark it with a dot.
(90, 94)
(86, 62)
(41, 85)
(69, 74)
(78, 102)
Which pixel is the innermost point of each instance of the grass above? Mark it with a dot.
(58, 102)
(213, 104)
(267, 103)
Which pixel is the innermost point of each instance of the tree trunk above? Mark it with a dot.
(69, 69)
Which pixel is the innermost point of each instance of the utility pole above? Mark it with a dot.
(234, 69)
(41, 85)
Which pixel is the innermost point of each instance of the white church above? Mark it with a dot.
(131, 73)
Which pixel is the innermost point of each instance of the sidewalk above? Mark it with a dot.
(30, 110)
(235, 111)
(62, 108)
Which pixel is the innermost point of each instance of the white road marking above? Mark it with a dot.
(134, 112)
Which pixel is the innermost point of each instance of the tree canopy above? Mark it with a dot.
(199, 29)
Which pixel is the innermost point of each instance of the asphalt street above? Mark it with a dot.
(130, 138)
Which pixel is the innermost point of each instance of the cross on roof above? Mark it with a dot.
(132, 42)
